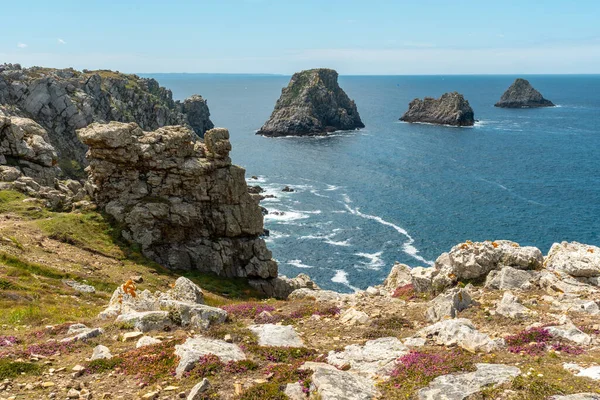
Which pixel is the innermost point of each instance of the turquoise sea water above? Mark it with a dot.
(400, 192)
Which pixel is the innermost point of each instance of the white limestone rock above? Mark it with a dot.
(195, 347)
(511, 307)
(101, 353)
(460, 332)
(277, 335)
(375, 357)
(575, 259)
(448, 304)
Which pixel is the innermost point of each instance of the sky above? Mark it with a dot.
(356, 37)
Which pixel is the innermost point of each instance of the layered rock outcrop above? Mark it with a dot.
(312, 104)
(25, 149)
(64, 100)
(450, 109)
(522, 95)
(182, 201)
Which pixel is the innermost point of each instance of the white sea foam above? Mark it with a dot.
(285, 216)
(316, 193)
(328, 239)
(342, 277)
(331, 188)
(259, 179)
(298, 264)
(375, 262)
(408, 247)
(346, 198)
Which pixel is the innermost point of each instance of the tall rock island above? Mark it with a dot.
(181, 200)
(522, 95)
(312, 104)
(64, 100)
(450, 109)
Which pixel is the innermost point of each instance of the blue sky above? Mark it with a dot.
(284, 36)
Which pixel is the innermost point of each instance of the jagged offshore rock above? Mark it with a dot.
(64, 100)
(450, 109)
(312, 104)
(522, 95)
(182, 201)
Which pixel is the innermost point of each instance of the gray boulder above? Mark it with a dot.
(282, 286)
(195, 347)
(461, 386)
(575, 259)
(101, 353)
(460, 332)
(448, 304)
(197, 391)
(333, 384)
(400, 275)
(509, 278)
(375, 357)
(146, 321)
(277, 335)
(511, 307)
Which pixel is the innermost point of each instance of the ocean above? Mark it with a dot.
(408, 192)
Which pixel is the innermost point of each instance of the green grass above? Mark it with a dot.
(12, 202)
(9, 369)
(31, 268)
(89, 231)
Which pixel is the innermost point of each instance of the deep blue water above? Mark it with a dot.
(408, 192)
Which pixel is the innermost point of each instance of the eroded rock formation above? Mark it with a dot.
(64, 100)
(182, 201)
(312, 104)
(450, 109)
(522, 95)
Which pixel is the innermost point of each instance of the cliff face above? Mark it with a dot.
(64, 100)
(450, 109)
(312, 104)
(181, 200)
(522, 95)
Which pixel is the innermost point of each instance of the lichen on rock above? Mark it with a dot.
(312, 104)
(182, 201)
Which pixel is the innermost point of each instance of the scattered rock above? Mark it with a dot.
(195, 347)
(400, 275)
(198, 390)
(522, 95)
(131, 336)
(146, 321)
(146, 341)
(282, 286)
(461, 386)
(376, 357)
(287, 189)
(320, 296)
(101, 353)
(333, 384)
(352, 316)
(450, 109)
(277, 335)
(576, 305)
(448, 304)
(509, 278)
(80, 287)
(511, 307)
(567, 330)
(84, 334)
(575, 259)
(312, 104)
(460, 332)
(294, 391)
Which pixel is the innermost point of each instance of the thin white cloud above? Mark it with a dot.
(21, 45)
(60, 41)
(500, 35)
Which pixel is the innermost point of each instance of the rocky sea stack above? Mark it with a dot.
(312, 104)
(64, 100)
(522, 95)
(450, 109)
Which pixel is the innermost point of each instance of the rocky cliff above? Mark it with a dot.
(450, 109)
(64, 100)
(181, 200)
(312, 104)
(522, 95)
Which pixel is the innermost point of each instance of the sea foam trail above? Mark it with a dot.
(342, 277)
(328, 239)
(375, 262)
(407, 247)
(298, 264)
